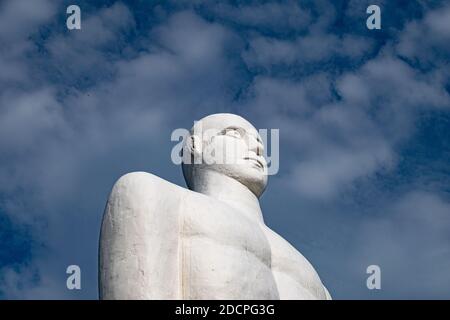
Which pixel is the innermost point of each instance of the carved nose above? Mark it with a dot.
(256, 146)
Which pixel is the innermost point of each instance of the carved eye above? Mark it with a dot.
(233, 132)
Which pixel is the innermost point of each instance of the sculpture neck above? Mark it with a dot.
(229, 191)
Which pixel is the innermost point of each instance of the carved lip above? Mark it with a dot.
(256, 161)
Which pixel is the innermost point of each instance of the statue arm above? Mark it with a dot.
(139, 240)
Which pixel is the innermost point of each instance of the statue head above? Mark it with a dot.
(228, 145)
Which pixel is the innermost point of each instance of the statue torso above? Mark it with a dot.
(227, 255)
(163, 241)
(224, 254)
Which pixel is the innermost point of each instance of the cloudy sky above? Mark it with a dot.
(363, 116)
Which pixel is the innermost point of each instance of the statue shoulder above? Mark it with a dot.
(139, 239)
(140, 181)
(144, 187)
(142, 196)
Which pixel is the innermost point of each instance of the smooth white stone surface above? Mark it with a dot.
(162, 241)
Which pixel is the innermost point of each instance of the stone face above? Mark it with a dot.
(162, 241)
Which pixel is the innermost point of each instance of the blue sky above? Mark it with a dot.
(363, 116)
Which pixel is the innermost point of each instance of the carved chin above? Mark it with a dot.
(256, 184)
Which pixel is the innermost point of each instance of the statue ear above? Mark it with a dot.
(194, 143)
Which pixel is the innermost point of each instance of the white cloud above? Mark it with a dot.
(333, 170)
(409, 238)
(427, 41)
(19, 18)
(312, 48)
(279, 17)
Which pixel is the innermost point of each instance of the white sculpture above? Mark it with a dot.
(162, 241)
